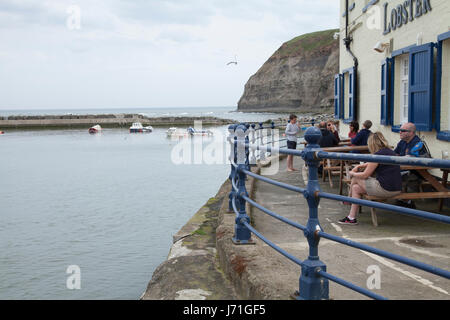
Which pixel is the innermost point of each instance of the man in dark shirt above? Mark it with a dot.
(363, 135)
(328, 139)
(410, 145)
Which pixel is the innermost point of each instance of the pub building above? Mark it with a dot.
(395, 68)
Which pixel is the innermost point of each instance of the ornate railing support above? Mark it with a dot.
(273, 134)
(262, 153)
(312, 285)
(253, 157)
(232, 141)
(242, 235)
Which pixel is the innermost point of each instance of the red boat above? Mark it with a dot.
(95, 129)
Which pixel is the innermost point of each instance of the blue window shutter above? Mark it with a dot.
(338, 96)
(437, 120)
(384, 93)
(351, 94)
(387, 92)
(391, 90)
(421, 86)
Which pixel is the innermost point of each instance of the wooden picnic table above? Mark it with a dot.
(362, 149)
(429, 178)
(342, 149)
(343, 142)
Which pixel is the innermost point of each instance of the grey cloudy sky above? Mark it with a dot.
(143, 53)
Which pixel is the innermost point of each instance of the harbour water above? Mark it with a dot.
(107, 204)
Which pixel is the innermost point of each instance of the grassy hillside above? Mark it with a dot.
(306, 43)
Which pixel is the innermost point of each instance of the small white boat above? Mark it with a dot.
(176, 133)
(95, 129)
(137, 127)
(196, 132)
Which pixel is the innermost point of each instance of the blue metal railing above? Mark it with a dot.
(266, 136)
(314, 276)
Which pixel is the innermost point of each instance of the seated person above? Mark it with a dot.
(328, 139)
(410, 145)
(363, 135)
(332, 128)
(354, 129)
(388, 181)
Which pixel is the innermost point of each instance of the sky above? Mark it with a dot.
(81, 54)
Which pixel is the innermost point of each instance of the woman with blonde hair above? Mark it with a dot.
(388, 181)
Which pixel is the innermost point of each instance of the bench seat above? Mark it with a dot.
(405, 196)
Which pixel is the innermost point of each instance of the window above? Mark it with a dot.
(404, 89)
(344, 95)
(407, 96)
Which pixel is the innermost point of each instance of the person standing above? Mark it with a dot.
(292, 130)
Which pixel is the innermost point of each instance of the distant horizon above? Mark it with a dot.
(112, 108)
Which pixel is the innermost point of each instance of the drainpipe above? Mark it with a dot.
(347, 41)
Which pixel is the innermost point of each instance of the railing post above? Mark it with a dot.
(312, 285)
(242, 235)
(262, 153)
(231, 139)
(247, 149)
(253, 157)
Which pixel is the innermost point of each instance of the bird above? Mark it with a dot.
(231, 62)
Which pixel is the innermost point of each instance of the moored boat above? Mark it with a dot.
(197, 132)
(137, 127)
(176, 133)
(95, 129)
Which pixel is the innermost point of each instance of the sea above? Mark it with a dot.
(92, 216)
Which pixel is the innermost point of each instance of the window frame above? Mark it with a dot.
(350, 95)
(411, 50)
(444, 134)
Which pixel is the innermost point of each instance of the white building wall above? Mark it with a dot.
(366, 30)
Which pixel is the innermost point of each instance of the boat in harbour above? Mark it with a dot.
(189, 132)
(137, 127)
(198, 132)
(176, 133)
(95, 129)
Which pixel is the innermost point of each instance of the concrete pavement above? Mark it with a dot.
(415, 238)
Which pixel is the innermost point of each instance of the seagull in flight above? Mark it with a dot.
(231, 62)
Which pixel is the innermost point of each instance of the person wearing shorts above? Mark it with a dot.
(292, 130)
(387, 182)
